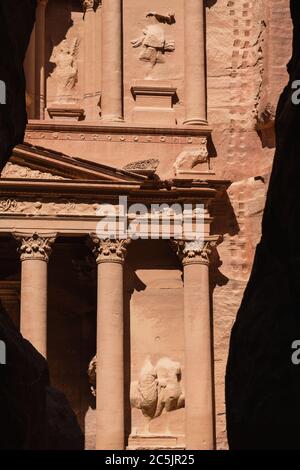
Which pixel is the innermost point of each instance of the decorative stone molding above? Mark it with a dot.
(143, 166)
(35, 246)
(194, 252)
(46, 208)
(12, 170)
(65, 112)
(158, 388)
(109, 251)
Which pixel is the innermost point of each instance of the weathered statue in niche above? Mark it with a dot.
(158, 388)
(154, 42)
(64, 56)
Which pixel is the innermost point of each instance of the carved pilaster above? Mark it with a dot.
(194, 252)
(35, 246)
(109, 251)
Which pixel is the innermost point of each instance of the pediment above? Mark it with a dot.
(38, 163)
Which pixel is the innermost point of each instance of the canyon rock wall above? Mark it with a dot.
(262, 383)
(16, 22)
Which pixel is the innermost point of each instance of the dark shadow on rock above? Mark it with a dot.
(23, 382)
(16, 23)
(33, 415)
(262, 384)
(63, 431)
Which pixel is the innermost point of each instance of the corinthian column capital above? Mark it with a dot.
(35, 246)
(109, 251)
(194, 252)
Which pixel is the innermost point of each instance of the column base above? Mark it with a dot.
(195, 122)
(112, 118)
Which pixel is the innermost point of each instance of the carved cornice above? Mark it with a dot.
(108, 251)
(194, 252)
(35, 246)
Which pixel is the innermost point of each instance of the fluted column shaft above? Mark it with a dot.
(34, 253)
(112, 92)
(110, 431)
(195, 63)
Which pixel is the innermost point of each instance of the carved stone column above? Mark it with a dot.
(40, 59)
(29, 67)
(112, 77)
(91, 46)
(34, 250)
(110, 257)
(195, 62)
(198, 380)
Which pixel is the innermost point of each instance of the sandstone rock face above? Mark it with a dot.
(75, 107)
(16, 22)
(262, 383)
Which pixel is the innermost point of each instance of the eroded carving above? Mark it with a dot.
(154, 41)
(90, 4)
(158, 388)
(112, 251)
(34, 246)
(12, 170)
(149, 165)
(266, 118)
(191, 157)
(92, 374)
(196, 251)
(64, 56)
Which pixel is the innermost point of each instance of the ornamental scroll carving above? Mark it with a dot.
(158, 388)
(12, 170)
(46, 208)
(35, 246)
(154, 41)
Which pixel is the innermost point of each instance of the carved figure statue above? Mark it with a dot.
(191, 156)
(154, 42)
(64, 56)
(158, 388)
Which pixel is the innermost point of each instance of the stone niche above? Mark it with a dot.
(156, 380)
(64, 59)
(153, 61)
